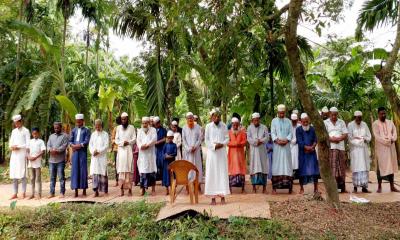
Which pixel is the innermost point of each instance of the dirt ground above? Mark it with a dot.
(318, 220)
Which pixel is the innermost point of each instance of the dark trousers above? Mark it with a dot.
(115, 165)
(57, 169)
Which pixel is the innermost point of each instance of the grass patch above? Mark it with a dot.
(128, 221)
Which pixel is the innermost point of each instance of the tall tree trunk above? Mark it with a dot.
(18, 53)
(385, 74)
(305, 97)
(271, 90)
(87, 42)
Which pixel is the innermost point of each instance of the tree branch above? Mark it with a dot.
(278, 13)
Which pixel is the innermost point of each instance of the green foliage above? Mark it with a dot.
(68, 106)
(129, 221)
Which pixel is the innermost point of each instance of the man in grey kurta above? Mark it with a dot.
(257, 136)
(281, 133)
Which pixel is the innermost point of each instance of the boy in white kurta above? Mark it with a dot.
(146, 140)
(36, 150)
(177, 139)
(359, 137)
(18, 145)
(217, 180)
(294, 147)
(98, 146)
(125, 137)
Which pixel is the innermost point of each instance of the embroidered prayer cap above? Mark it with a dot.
(195, 117)
(295, 112)
(145, 119)
(293, 116)
(357, 114)
(325, 109)
(281, 108)
(189, 114)
(151, 118)
(124, 114)
(255, 115)
(175, 123)
(212, 112)
(16, 118)
(156, 119)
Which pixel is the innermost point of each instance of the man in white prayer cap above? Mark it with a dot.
(146, 140)
(191, 142)
(19, 141)
(337, 132)
(359, 138)
(308, 163)
(125, 138)
(325, 113)
(257, 136)
(294, 149)
(170, 152)
(177, 139)
(161, 135)
(217, 180)
(79, 142)
(281, 133)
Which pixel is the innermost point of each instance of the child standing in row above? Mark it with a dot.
(36, 149)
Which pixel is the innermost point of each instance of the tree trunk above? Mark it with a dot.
(385, 74)
(87, 42)
(17, 63)
(305, 97)
(271, 85)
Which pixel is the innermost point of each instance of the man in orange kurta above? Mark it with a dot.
(385, 137)
(236, 155)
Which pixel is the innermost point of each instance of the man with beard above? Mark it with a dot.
(216, 139)
(161, 135)
(125, 138)
(385, 150)
(325, 113)
(79, 141)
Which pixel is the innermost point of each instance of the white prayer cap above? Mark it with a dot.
(212, 112)
(124, 114)
(16, 118)
(281, 108)
(295, 111)
(195, 116)
(255, 115)
(235, 120)
(189, 114)
(325, 109)
(151, 118)
(156, 119)
(357, 114)
(79, 116)
(175, 123)
(293, 116)
(170, 133)
(304, 115)
(334, 109)
(145, 119)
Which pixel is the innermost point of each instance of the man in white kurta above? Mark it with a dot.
(217, 180)
(125, 137)
(18, 145)
(147, 165)
(294, 148)
(281, 134)
(337, 132)
(359, 137)
(98, 146)
(257, 137)
(191, 141)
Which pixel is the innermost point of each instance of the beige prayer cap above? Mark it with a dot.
(235, 120)
(16, 118)
(304, 115)
(124, 114)
(189, 114)
(325, 109)
(281, 108)
(145, 119)
(334, 109)
(79, 116)
(255, 115)
(357, 114)
(293, 116)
